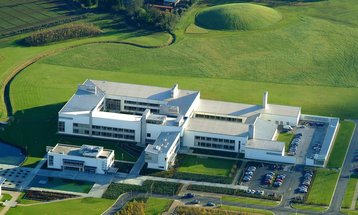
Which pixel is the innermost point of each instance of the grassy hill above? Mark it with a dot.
(239, 16)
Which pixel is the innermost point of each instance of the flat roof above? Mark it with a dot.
(264, 129)
(163, 143)
(282, 110)
(80, 151)
(268, 145)
(218, 127)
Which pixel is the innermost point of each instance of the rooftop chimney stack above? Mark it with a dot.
(264, 100)
(174, 91)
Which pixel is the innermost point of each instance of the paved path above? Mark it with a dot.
(137, 166)
(354, 200)
(11, 203)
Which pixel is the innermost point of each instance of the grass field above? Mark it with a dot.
(62, 184)
(17, 14)
(321, 190)
(206, 166)
(250, 201)
(349, 212)
(246, 210)
(156, 206)
(351, 187)
(286, 138)
(89, 206)
(309, 207)
(341, 143)
(237, 16)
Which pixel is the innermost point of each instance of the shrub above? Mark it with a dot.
(133, 208)
(229, 191)
(182, 210)
(63, 33)
(165, 188)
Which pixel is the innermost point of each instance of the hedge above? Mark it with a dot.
(65, 32)
(230, 191)
(158, 187)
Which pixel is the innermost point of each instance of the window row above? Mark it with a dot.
(213, 139)
(215, 146)
(141, 103)
(106, 128)
(113, 135)
(221, 118)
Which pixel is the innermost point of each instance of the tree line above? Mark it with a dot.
(140, 13)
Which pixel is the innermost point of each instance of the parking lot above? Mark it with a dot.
(312, 137)
(257, 182)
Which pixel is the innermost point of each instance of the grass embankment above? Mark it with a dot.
(351, 187)
(155, 206)
(24, 201)
(341, 144)
(206, 166)
(237, 16)
(87, 206)
(250, 201)
(246, 210)
(286, 138)
(309, 207)
(322, 188)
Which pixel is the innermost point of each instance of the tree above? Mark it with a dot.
(168, 21)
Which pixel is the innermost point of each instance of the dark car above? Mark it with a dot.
(210, 204)
(194, 202)
(188, 196)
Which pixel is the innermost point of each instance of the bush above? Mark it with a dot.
(133, 208)
(63, 33)
(182, 210)
(158, 187)
(229, 191)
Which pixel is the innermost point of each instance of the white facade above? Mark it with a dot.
(91, 159)
(162, 153)
(140, 114)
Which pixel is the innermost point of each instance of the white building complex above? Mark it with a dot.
(165, 119)
(2, 181)
(85, 158)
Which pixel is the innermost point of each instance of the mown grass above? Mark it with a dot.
(322, 188)
(246, 210)
(157, 206)
(349, 212)
(315, 208)
(251, 201)
(341, 144)
(206, 166)
(5, 197)
(87, 206)
(348, 196)
(286, 138)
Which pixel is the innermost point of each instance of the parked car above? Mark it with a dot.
(277, 184)
(194, 202)
(210, 204)
(188, 196)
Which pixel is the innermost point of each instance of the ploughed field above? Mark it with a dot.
(18, 14)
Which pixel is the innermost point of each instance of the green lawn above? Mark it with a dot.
(62, 184)
(5, 197)
(286, 138)
(246, 210)
(349, 212)
(348, 197)
(309, 207)
(251, 201)
(341, 143)
(322, 188)
(156, 206)
(206, 166)
(86, 206)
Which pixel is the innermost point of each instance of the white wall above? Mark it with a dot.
(293, 121)
(189, 137)
(155, 130)
(101, 164)
(258, 154)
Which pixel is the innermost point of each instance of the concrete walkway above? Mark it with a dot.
(172, 208)
(11, 203)
(354, 200)
(137, 166)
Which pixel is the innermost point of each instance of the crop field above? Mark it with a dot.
(17, 14)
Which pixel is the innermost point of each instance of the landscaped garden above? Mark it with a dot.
(146, 206)
(61, 184)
